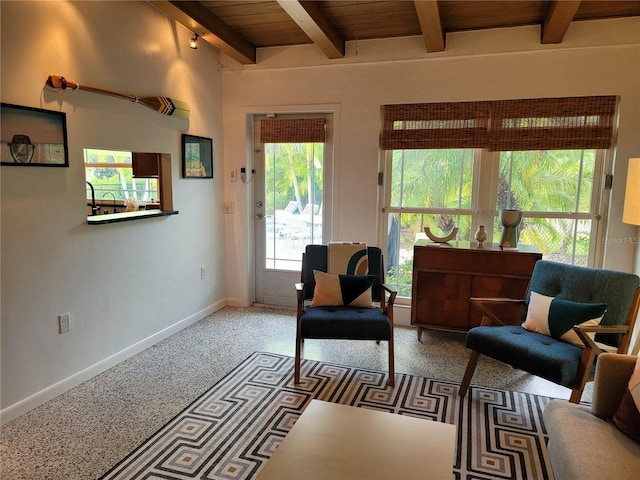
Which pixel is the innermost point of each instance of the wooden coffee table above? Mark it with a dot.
(333, 441)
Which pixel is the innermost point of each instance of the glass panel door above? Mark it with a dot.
(290, 210)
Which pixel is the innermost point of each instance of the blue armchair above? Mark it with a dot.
(563, 337)
(339, 321)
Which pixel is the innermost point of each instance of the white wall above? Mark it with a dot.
(128, 284)
(596, 58)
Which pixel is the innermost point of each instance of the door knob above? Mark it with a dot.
(259, 216)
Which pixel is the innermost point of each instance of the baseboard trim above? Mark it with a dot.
(39, 398)
(236, 302)
(402, 315)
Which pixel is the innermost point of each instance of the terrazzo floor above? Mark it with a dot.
(85, 431)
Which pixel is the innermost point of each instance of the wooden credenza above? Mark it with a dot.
(446, 277)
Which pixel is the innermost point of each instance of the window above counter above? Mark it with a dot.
(124, 185)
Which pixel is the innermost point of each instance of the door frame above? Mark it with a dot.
(255, 277)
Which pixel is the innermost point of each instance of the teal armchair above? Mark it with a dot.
(567, 295)
(343, 322)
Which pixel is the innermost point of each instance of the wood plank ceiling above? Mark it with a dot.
(239, 28)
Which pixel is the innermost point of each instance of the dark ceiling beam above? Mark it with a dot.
(430, 24)
(558, 19)
(308, 16)
(197, 18)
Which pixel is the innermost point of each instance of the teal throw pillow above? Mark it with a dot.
(338, 290)
(556, 317)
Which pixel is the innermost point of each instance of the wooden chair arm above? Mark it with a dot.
(392, 295)
(602, 328)
(589, 343)
(488, 317)
(591, 351)
(387, 304)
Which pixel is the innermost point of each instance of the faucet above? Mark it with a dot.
(115, 208)
(94, 208)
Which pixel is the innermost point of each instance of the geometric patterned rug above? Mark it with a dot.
(231, 430)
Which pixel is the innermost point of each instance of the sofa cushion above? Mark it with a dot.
(339, 290)
(627, 417)
(582, 446)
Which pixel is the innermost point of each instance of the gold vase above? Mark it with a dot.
(481, 236)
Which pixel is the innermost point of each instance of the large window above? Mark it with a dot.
(459, 166)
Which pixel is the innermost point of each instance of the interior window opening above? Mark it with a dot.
(111, 185)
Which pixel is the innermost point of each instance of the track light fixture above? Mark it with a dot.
(193, 41)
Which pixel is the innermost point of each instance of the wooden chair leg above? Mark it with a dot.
(471, 367)
(578, 387)
(296, 364)
(392, 372)
(583, 375)
(576, 395)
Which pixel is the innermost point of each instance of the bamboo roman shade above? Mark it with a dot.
(502, 125)
(292, 130)
(435, 125)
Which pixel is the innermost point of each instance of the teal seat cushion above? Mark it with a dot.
(350, 323)
(538, 354)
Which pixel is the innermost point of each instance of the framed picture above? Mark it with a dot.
(33, 137)
(197, 157)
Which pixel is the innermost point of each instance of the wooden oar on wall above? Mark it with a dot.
(164, 105)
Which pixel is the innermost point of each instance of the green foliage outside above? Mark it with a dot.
(293, 173)
(554, 182)
(433, 179)
(551, 181)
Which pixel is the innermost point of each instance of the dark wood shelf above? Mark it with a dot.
(128, 216)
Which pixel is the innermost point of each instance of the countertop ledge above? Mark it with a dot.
(128, 216)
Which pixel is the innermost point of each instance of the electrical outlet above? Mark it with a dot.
(64, 322)
(229, 207)
(203, 273)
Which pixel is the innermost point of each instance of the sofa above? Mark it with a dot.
(583, 444)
